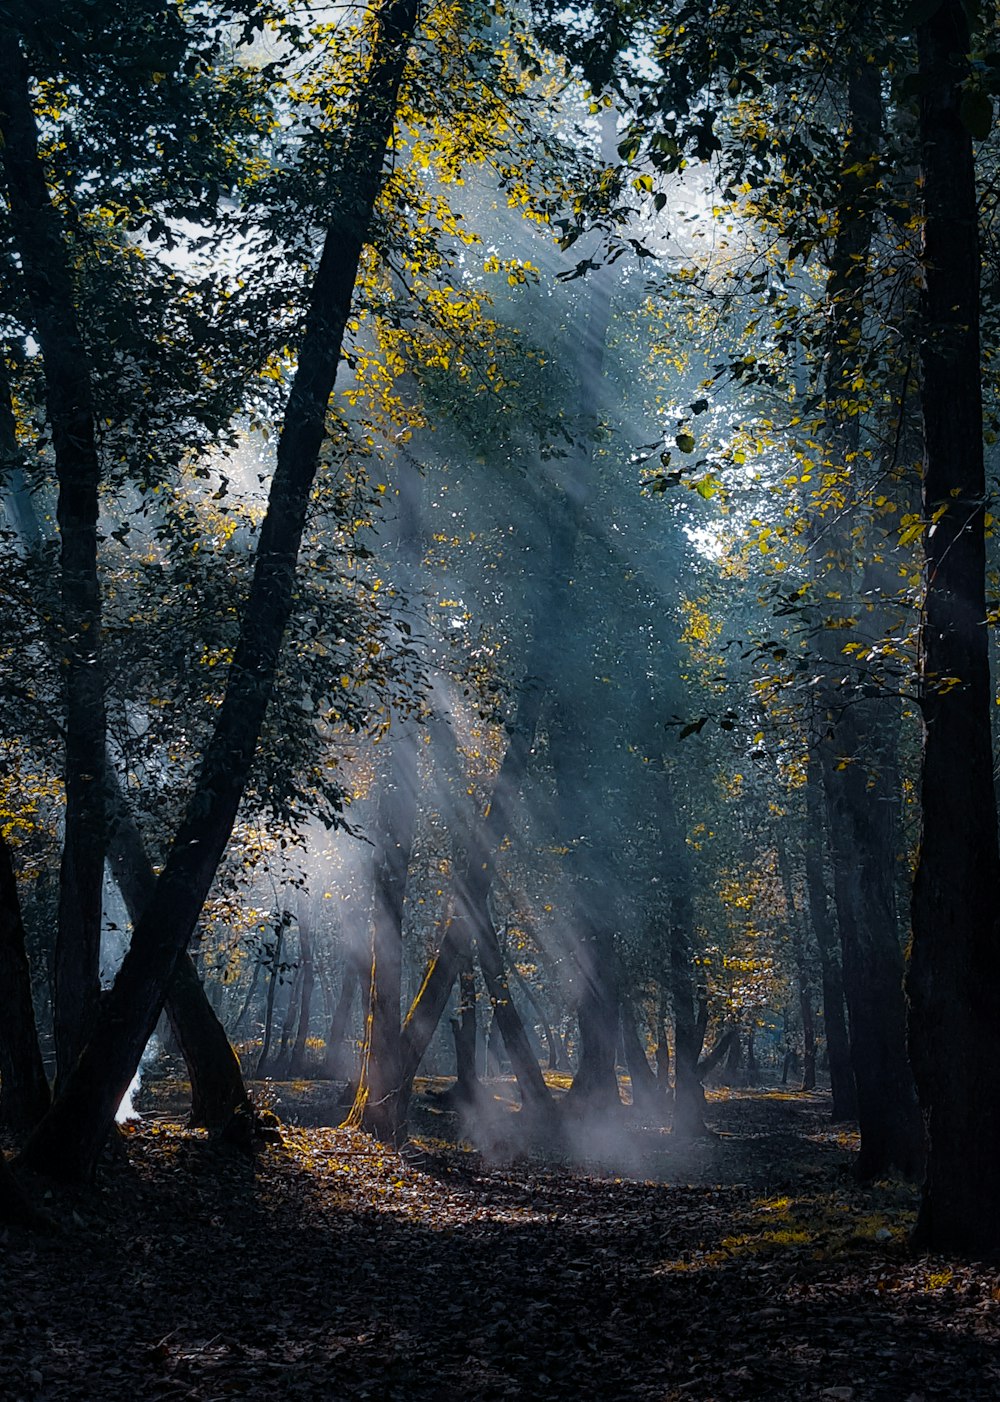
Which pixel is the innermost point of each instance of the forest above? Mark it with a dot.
(498, 656)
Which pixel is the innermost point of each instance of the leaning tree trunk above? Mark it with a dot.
(954, 972)
(213, 1067)
(647, 1093)
(48, 281)
(428, 1006)
(24, 1090)
(69, 1139)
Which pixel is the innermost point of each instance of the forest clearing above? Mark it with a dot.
(499, 699)
(746, 1266)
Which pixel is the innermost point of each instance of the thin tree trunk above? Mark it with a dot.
(379, 1107)
(255, 979)
(300, 1054)
(334, 1062)
(262, 1068)
(69, 1139)
(954, 972)
(48, 282)
(289, 1022)
(24, 1090)
(802, 975)
(647, 1092)
(844, 1095)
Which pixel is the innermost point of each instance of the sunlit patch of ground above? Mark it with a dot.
(329, 1267)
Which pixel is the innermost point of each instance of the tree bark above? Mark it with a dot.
(428, 1006)
(264, 1067)
(68, 1140)
(24, 1089)
(842, 1089)
(379, 1108)
(49, 284)
(217, 1088)
(648, 1097)
(858, 759)
(299, 1057)
(954, 970)
(334, 1062)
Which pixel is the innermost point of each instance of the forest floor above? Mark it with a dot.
(746, 1266)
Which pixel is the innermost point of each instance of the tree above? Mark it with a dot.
(953, 978)
(68, 1140)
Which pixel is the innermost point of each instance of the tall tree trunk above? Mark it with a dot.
(690, 1005)
(472, 889)
(334, 1064)
(858, 761)
(843, 1093)
(70, 1137)
(264, 1061)
(49, 284)
(954, 972)
(289, 1021)
(591, 908)
(378, 1105)
(802, 975)
(24, 1090)
(300, 1054)
(213, 1067)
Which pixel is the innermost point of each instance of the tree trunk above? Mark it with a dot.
(379, 1107)
(334, 1062)
(648, 1098)
(24, 1090)
(662, 1054)
(428, 1006)
(845, 1099)
(954, 972)
(802, 974)
(472, 888)
(69, 1139)
(263, 1069)
(289, 1021)
(300, 1054)
(467, 1087)
(213, 1067)
(48, 282)
(857, 756)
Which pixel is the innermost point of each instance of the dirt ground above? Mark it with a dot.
(746, 1266)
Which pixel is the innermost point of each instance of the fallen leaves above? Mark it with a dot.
(748, 1268)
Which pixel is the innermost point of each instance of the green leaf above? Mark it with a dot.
(977, 112)
(685, 441)
(706, 488)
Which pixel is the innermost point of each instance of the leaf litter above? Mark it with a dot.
(747, 1266)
